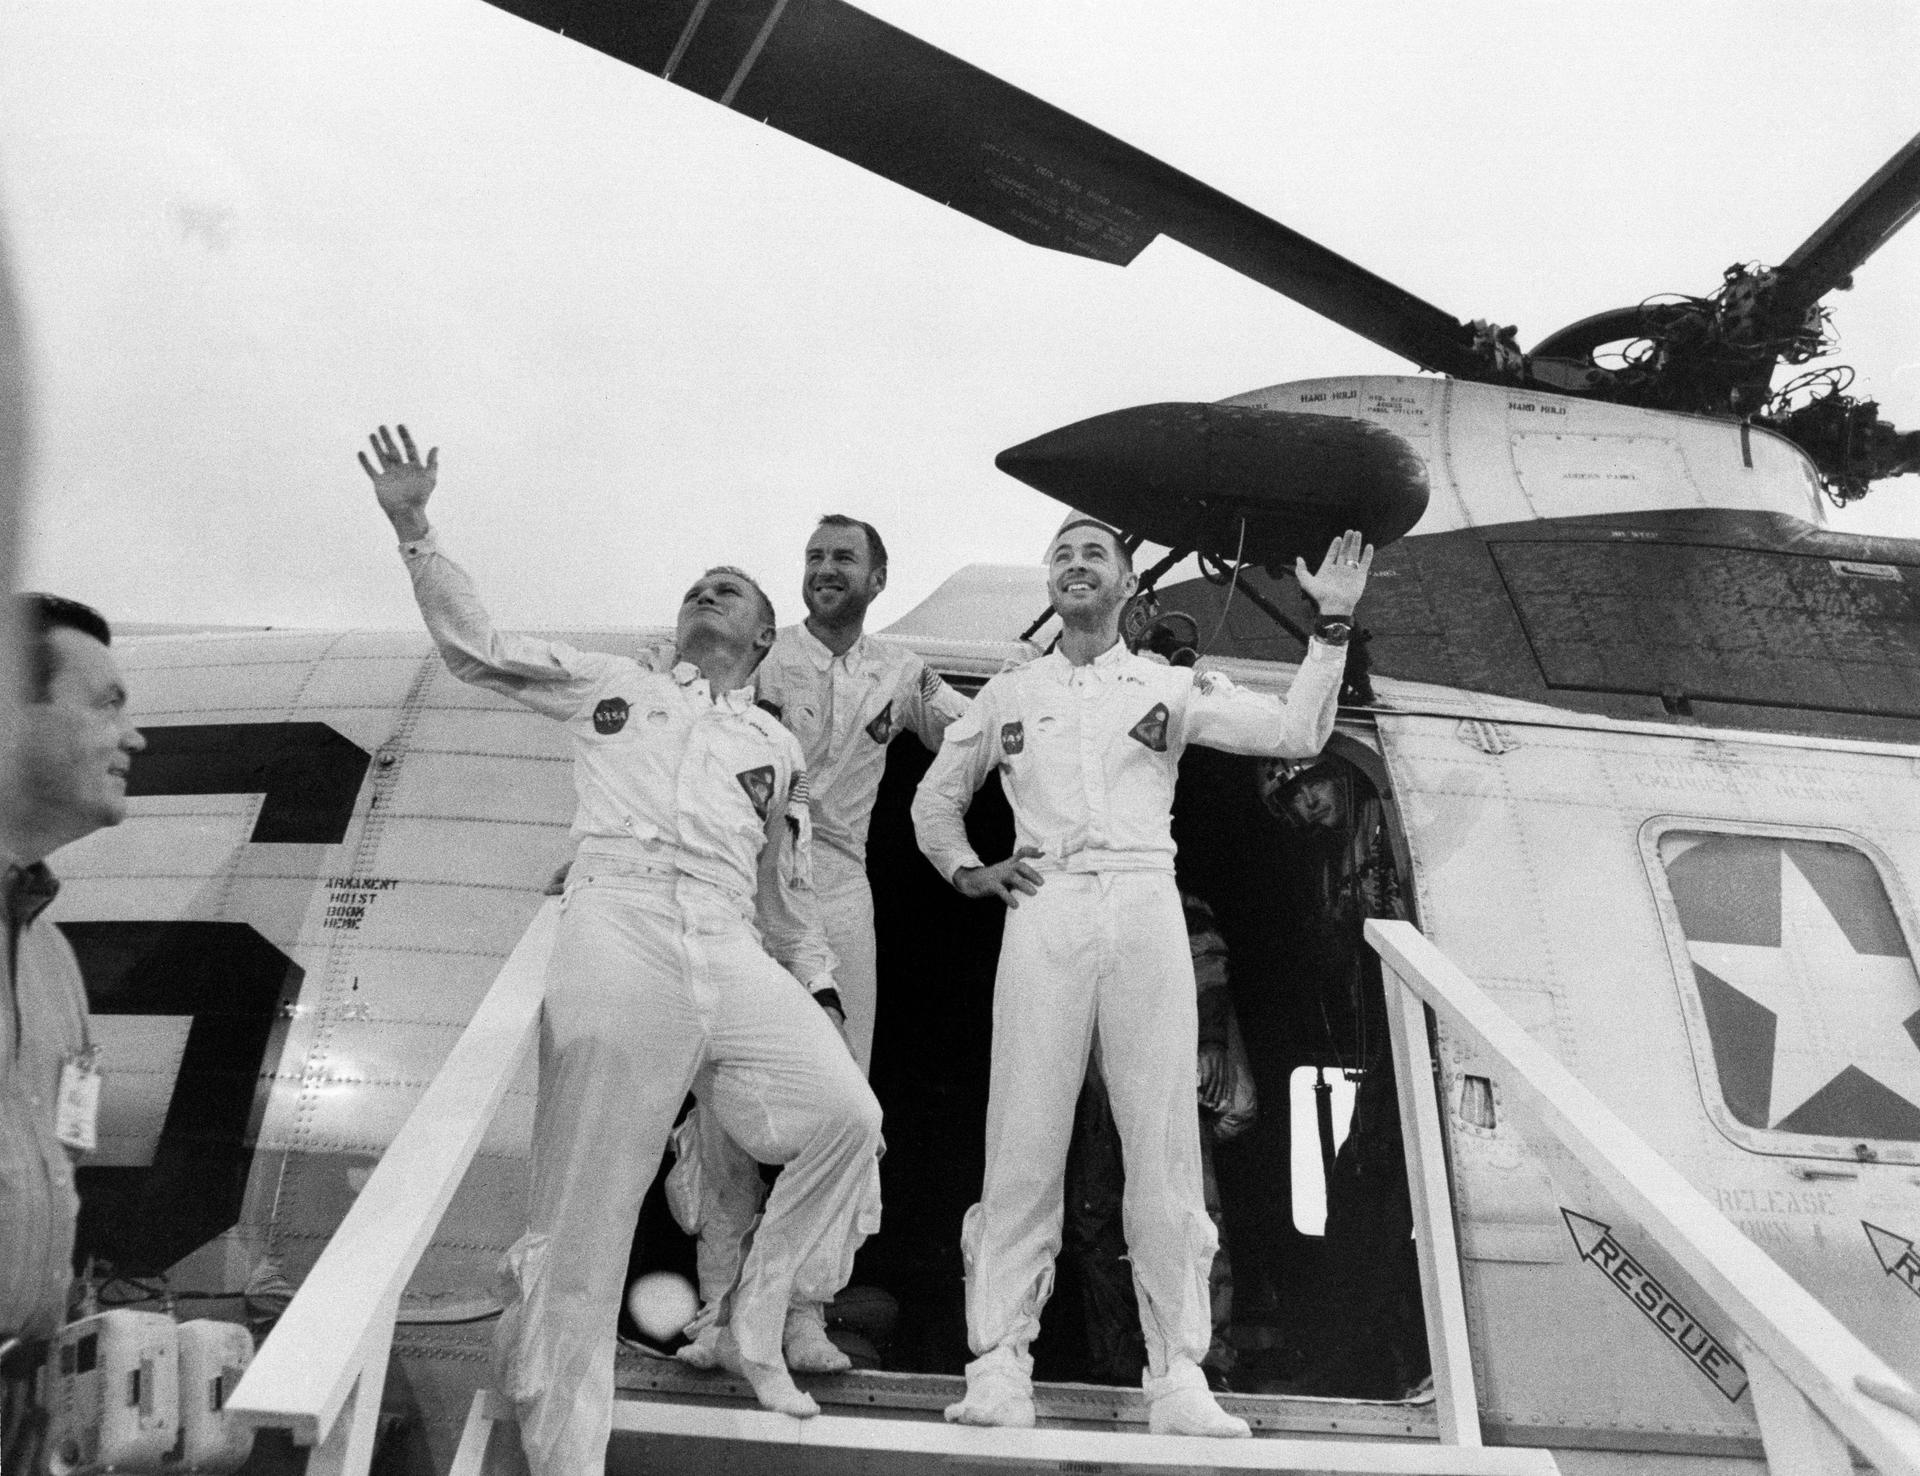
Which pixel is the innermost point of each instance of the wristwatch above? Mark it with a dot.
(1333, 629)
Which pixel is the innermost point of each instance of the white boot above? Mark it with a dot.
(704, 1350)
(1181, 1404)
(772, 1385)
(806, 1344)
(999, 1390)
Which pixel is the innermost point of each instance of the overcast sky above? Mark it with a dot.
(649, 334)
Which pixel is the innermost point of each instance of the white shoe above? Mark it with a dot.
(807, 1347)
(1182, 1404)
(772, 1385)
(999, 1391)
(703, 1351)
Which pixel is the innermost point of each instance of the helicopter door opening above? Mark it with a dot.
(1316, 1287)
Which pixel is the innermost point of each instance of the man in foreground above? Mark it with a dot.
(70, 778)
(1088, 741)
(692, 804)
(844, 695)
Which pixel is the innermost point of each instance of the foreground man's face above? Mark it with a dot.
(77, 747)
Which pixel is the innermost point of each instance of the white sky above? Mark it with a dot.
(650, 335)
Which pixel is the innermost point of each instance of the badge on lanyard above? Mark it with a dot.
(77, 1119)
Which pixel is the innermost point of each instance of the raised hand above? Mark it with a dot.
(1336, 587)
(403, 482)
(1008, 880)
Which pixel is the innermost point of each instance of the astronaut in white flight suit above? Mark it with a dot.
(1087, 741)
(692, 801)
(844, 695)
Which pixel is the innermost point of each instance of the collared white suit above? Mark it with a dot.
(692, 809)
(845, 710)
(1088, 757)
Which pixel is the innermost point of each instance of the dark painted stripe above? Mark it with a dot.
(727, 37)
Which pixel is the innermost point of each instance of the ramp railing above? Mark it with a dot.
(1816, 1387)
(321, 1370)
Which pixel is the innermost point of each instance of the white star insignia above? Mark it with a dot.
(1833, 1008)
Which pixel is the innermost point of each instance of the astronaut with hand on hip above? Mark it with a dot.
(1087, 741)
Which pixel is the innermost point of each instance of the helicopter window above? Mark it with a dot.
(1798, 985)
(1310, 1150)
(1644, 617)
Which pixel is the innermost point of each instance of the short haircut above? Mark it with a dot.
(39, 616)
(1080, 520)
(766, 605)
(876, 550)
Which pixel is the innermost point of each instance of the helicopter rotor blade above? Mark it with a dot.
(849, 83)
(1870, 217)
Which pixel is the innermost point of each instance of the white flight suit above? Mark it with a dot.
(845, 710)
(691, 805)
(1088, 757)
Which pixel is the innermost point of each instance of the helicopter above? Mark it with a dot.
(1586, 729)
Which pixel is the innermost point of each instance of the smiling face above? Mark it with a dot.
(724, 609)
(1089, 576)
(78, 744)
(840, 579)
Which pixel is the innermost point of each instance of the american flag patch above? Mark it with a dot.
(799, 788)
(930, 683)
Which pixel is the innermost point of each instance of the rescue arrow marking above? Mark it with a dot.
(1897, 1257)
(1658, 1305)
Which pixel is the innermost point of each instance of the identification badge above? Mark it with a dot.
(76, 1121)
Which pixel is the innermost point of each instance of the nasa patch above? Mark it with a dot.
(610, 716)
(1152, 729)
(758, 783)
(880, 730)
(1013, 738)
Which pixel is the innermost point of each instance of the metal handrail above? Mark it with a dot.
(319, 1373)
(1853, 1391)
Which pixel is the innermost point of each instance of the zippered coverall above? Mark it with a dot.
(845, 710)
(691, 804)
(1088, 757)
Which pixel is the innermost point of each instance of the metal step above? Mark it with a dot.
(732, 1437)
(1091, 1405)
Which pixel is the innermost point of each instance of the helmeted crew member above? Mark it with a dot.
(691, 802)
(70, 778)
(1087, 741)
(844, 695)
